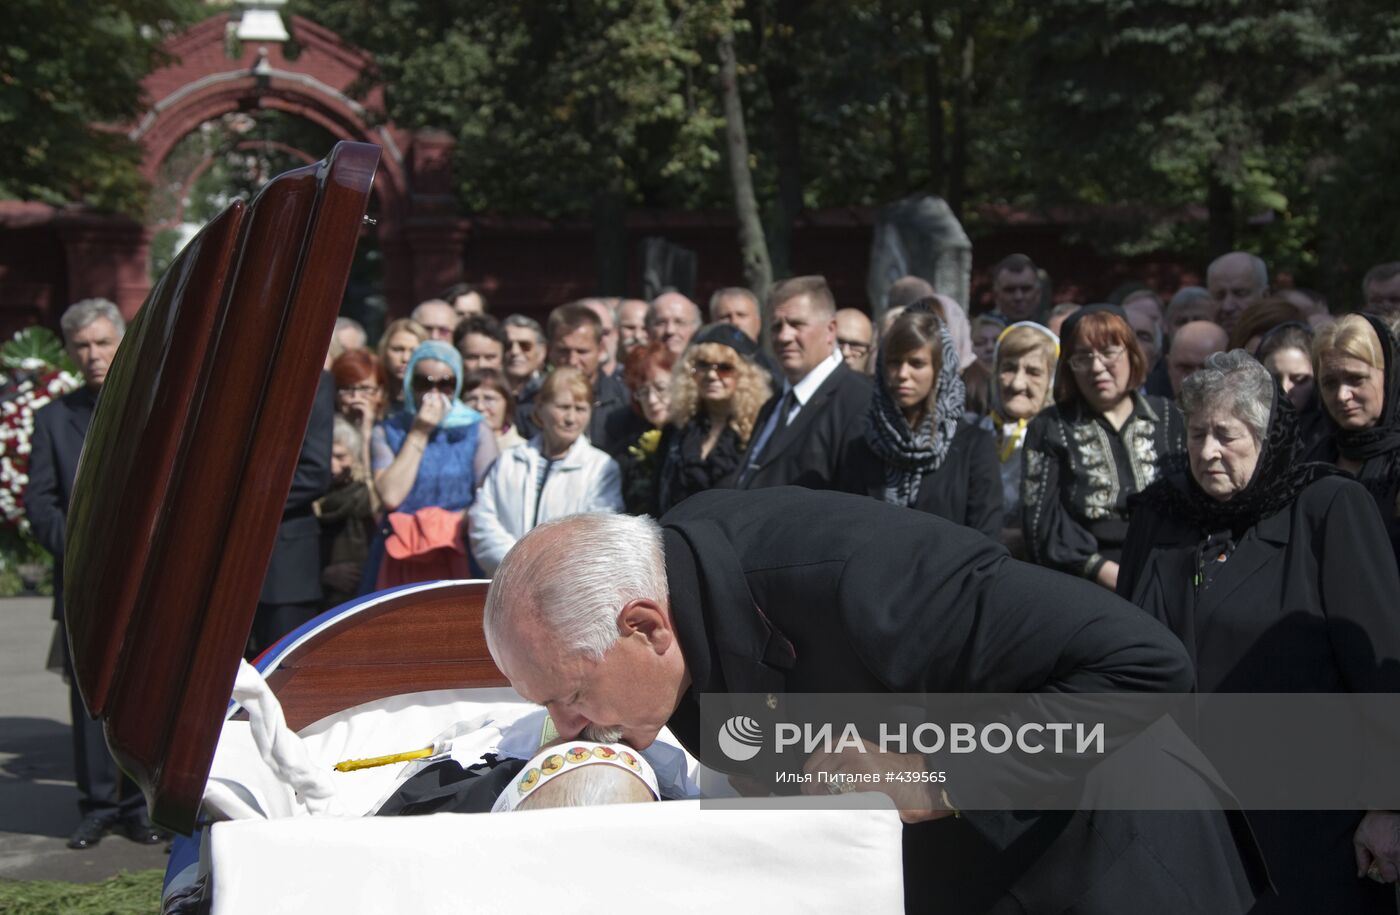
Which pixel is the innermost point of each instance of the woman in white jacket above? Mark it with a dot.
(554, 474)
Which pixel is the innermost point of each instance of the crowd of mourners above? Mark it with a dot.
(1225, 457)
(1078, 435)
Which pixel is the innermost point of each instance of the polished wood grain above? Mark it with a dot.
(132, 448)
(406, 644)
(161, 675)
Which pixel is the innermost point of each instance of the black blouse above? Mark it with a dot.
(1077, 473)
(965, 489)
(684, 472)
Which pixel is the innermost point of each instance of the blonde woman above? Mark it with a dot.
(716, 393)
(1358, 381)
(396, 348)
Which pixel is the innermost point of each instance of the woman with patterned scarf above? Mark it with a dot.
(1358, 380)
(1276, 576)
(918, 450)
(1024, 370)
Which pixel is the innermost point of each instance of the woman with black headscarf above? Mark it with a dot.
(918, 450)
(1358, 380)
(1275, 575)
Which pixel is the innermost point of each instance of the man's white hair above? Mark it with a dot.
(576, 591)
(81, 314)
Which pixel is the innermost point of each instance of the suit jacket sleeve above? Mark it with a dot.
(43, 498)
(984, 497)
(312, 478)
(1053, 538)
(955, 620)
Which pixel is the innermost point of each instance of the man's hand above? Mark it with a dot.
(1377, 845)
(917, 800)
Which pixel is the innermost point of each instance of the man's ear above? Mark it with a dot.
(646, 618)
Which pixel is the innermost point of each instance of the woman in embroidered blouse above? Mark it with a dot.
(1099, 444)
(1025, 359)
(432, 453)
(919, 451)
(715, 398)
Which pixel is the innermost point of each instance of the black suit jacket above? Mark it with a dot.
(808, 452)
(294, 571)
(966, 489)
(787, 590)
(59, 429)
(1305, 603)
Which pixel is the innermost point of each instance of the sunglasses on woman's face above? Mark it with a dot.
(722, 369)
(447, 384)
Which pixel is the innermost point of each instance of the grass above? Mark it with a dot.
(125, 894)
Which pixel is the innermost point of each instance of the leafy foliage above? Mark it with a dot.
(68, 70)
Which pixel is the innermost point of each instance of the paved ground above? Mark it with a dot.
(38, 801)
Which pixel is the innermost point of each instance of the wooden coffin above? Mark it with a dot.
(188, 463)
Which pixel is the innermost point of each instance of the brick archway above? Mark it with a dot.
(421, 235)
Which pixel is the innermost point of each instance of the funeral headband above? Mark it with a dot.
(571, 756)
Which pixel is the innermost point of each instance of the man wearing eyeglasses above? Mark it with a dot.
(855, 337)
(524, 356)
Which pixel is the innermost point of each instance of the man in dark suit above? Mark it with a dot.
(791, 591)
(92, 329)
(803, 430)
(291, 591)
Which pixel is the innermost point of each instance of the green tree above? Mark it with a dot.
(70, 74)
(559, 107)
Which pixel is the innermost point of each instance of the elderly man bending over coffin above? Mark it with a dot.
(620, 623)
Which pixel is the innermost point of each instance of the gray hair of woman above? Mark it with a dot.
(1236, 382)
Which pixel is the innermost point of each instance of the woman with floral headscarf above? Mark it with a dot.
(918, 450)
(428, 459)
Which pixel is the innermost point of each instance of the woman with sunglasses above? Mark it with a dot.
(427, 460)
(715, 399)
(919, 450)
(1100, 443)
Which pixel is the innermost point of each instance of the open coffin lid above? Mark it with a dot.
(188, 463)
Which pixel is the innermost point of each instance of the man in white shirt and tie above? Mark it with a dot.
(804, 428)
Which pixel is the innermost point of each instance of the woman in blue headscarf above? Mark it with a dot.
(428, 459)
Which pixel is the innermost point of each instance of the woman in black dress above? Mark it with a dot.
(1100, 443)
(1358, 381)
(716, 394)
(1275, 575)
(918, 449)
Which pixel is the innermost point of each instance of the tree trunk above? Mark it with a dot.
(933, 103)
(899, 103)
(1220, 207)
(758, 270)
(957, 167)
(784, 84)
